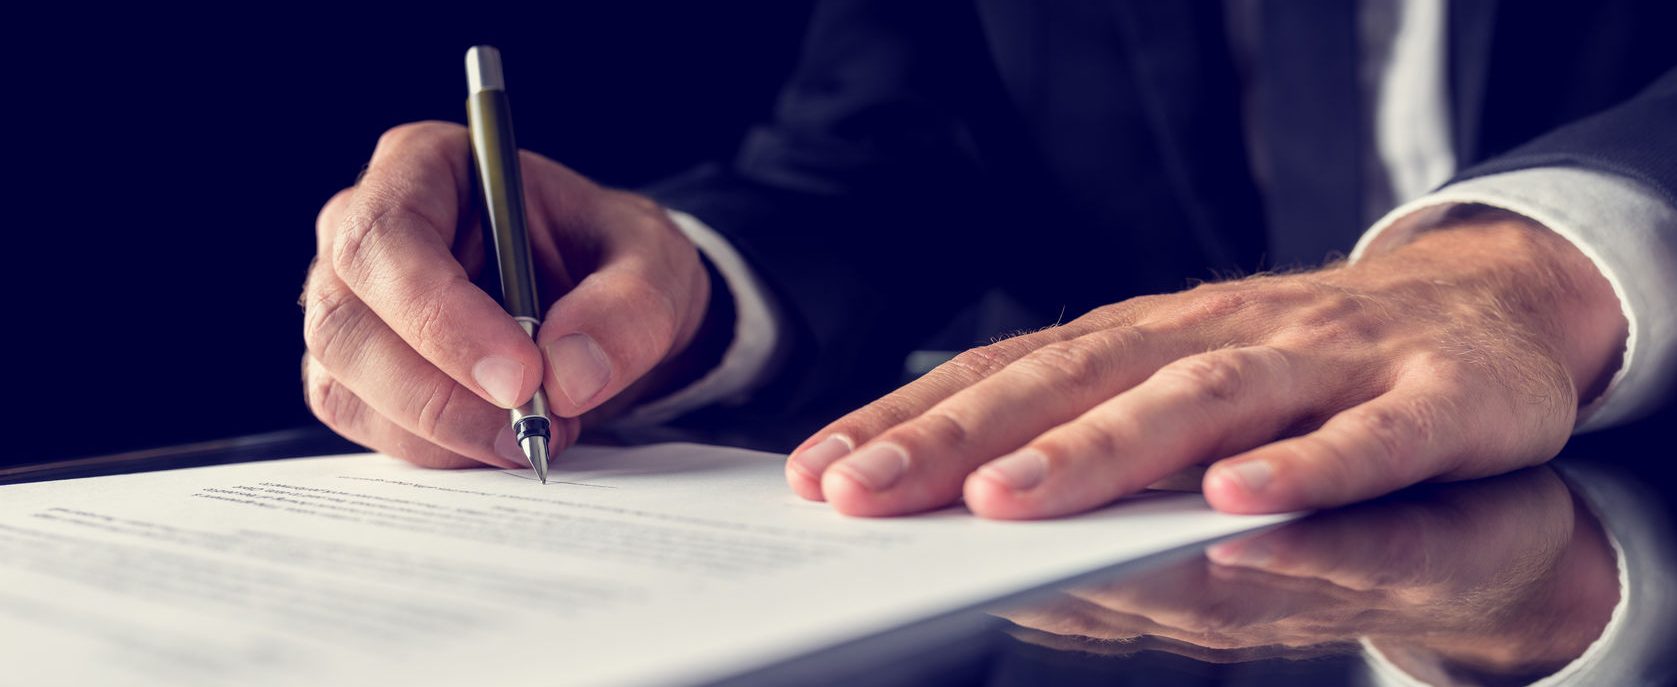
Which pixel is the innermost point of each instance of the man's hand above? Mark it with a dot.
(408, 356)
(1462, 353)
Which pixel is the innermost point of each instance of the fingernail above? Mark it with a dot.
(1017, 471)
(815, 459)
(580, 366)
(502, 378)
(506, 446)
(1251, 475)
(876, 467)
(1245, 552)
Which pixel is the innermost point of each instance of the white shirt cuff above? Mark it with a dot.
(756, 335)
(1626, 229)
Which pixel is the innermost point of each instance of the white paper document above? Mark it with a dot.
(673, 563)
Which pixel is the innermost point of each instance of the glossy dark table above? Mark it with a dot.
(1561, 574)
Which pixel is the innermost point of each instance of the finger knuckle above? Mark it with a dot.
(1118, 314)
(355, 249)
(1075, 361)
(1208, 378)
(332, 208)
(331, 321)
(1436, 367)
(1220, 302)
(1117, 341)
(1342, 322)
(937, 428)
(1327, 304)
(1101, 445)
(981, 362)
(331, 403)
(1393, 432)
(427, 311)
(437, 405)
(1295, 292)
(889, 411)
(1078, 439)
(404, 135)
(1252, 301)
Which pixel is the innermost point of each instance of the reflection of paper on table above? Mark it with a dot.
(664, 563)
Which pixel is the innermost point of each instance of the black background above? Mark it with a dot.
(166, 168)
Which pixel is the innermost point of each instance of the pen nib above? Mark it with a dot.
(535, 448)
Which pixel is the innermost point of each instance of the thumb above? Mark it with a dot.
(640, 307)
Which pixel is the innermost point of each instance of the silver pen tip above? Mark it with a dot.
(535, 448)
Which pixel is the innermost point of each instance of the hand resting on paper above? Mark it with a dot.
(1462, 353)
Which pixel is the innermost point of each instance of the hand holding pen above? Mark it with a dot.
(408, 356)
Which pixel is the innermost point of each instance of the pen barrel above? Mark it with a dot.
(531, 419)
(495, 156)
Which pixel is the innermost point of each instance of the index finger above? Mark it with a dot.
(393, 251)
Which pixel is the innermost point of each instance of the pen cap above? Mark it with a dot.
(483, 69)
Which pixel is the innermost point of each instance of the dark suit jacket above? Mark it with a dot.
(1079, 152)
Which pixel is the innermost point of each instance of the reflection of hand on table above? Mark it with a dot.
(1504, 576)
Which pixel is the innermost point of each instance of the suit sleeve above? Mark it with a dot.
(858, 205)
(1634, 139)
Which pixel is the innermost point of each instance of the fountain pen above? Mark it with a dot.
(495, 157)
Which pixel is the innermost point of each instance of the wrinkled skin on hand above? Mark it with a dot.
(1461, 353)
